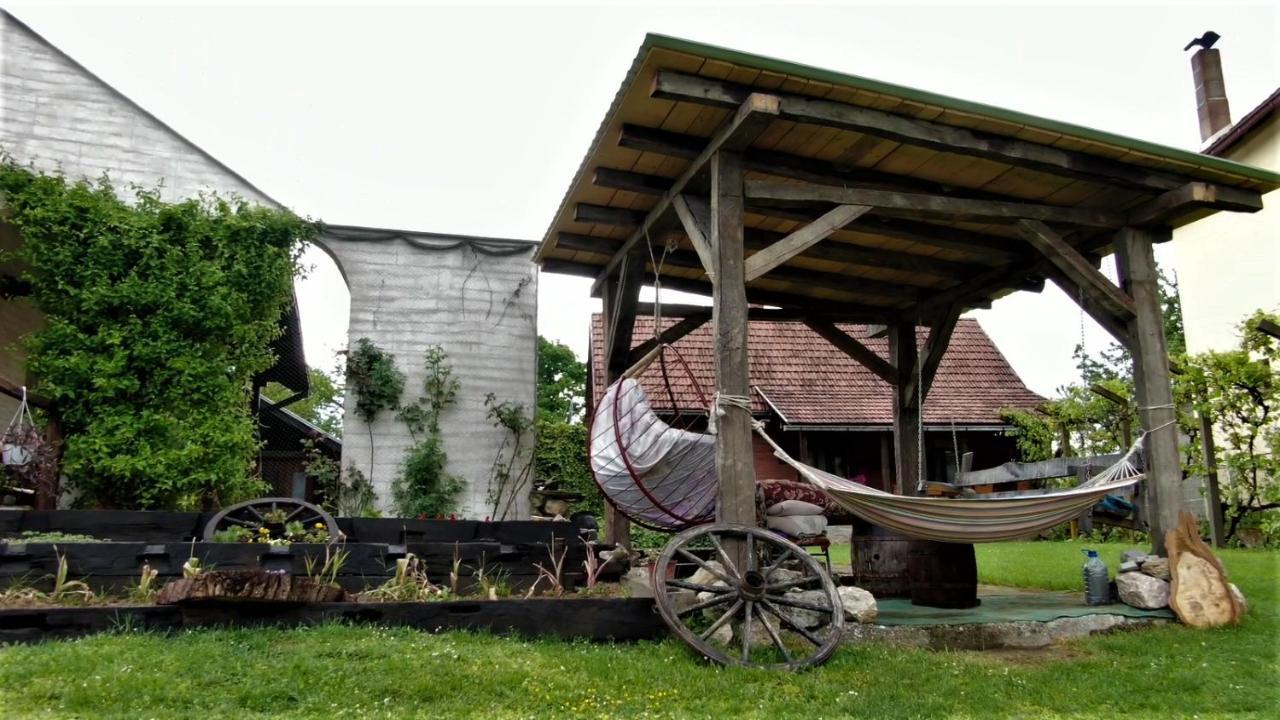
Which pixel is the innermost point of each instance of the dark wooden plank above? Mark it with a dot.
(935, 347)
(1089, 280)
(1135, 260)
(733, 440)
(923, 133)
(903, 353)
(1213, 494)
(694, 214)
(940, 206)
(782, 250)
(854, 349)
(752, 116)
(1191, 198)
(630, 181)
(605, 215)
(1042, 470)
(668, 336)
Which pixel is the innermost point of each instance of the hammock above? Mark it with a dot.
(664, 478)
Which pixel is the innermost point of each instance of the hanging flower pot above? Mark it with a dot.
(20, 439)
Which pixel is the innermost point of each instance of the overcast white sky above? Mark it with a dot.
(473, 119)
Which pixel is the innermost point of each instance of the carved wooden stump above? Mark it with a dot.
(248, 585)
(1199, 593)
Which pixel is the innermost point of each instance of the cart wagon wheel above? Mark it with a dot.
(271, 513)
(776, 608)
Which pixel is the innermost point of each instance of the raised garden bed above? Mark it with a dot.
(589, 618)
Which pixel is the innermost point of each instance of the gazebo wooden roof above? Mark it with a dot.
(837, 198)
(874, 144)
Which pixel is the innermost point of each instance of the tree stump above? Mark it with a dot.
(1199, 592)
(248, 585)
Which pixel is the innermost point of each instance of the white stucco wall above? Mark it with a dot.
(481, 308)
(1229, 263)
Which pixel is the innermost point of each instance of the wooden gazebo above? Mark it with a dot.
(787, 191)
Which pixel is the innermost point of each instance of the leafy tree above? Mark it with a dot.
(157, 316)
(562, 382)
(1240, 390)
(321, 407)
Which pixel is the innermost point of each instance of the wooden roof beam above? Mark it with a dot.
(686, 325)
(854, 349)
(1191, 198)
(922, 133)
(753, 115)
(779, 252)
(916, 204)
(1078, 271)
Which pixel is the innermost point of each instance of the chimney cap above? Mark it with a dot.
(1205, 41)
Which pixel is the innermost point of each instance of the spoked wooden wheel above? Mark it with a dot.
(754, 598)
(272, 513)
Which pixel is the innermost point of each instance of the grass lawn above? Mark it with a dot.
(354, 672)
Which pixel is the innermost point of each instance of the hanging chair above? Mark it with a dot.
(659, 476)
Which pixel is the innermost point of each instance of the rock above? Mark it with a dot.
(723, 635)
(637, 581)
(1132, 556)
(782, 575)
(1142, 591)
(1239, 596)
(248, 585)
(759, 635)
(859, 605)
(705, 577)
(806, 618)
(1200, 594)
(1156, 567)
(556, 507)
(1128, 566)
(715, 611)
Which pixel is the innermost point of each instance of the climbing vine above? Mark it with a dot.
(376, 383)
(425, 487)
(513, 463)
(158, 315)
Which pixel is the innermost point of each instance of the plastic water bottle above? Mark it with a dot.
(1097, 583)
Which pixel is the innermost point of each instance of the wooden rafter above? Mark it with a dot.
(854, 349)
(753, 115)
(917, 204)
(1190, 198)
(694, 217)
(922, 133)
(777, 253)
(1078, 269)
(934, 348)
(669, 335)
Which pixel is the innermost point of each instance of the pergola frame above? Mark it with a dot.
(1008, 243)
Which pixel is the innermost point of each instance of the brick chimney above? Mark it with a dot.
(1211, 92)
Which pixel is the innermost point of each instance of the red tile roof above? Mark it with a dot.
(800, 376)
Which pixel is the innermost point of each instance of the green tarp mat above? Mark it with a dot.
(1002, 605)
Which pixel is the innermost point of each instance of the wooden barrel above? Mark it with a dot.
(879, 564)
(943, 575)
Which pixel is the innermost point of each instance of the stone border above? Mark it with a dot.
(1016, 635)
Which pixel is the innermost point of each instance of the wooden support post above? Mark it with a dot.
(1135, 261)
(886, 462)
(733, 441)
(903, 354)
(621, 295)
(1213, 497)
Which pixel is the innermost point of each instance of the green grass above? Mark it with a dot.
(354, 672)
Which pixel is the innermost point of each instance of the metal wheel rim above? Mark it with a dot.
(744, 601)
(250, 514)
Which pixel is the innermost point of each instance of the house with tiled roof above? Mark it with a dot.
(828, 410)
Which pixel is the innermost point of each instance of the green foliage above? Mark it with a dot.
(373, 379)
(1032, 432)
(34, 536)
(321, 407)
(348, 494)
(562, 382)
(1240, 390)
(425, 488)
(560, 462)
(512, 463)
(157, 317)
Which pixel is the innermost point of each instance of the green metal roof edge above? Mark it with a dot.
(761, 62)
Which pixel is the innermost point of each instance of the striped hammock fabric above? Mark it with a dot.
(665, 479)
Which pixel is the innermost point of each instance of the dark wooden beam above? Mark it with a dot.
(1269, 327)
(916, 204)
(620, 297)
(733, 459)
(779, 252)
(854, 349)
(1135, 261)
(1088, 280)
(669, 335)
(1191, 198)
(903, 353)
(631, 181)
(753, 115)
(922, 133)
(935, 347)
(605, 215)
(694, 214)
